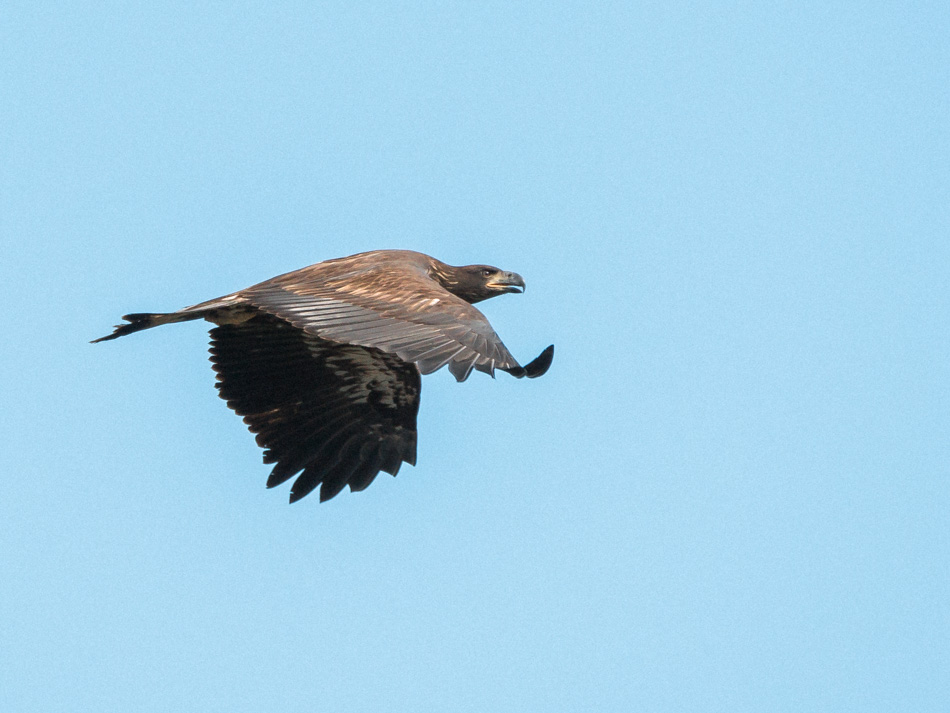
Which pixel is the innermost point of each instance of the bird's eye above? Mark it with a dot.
(488, 273)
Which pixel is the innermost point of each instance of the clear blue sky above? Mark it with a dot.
(730, 493)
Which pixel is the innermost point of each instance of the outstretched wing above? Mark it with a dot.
(386, 300)
(393, 306)
(338, 412)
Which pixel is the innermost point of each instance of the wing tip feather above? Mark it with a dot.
(536, 367)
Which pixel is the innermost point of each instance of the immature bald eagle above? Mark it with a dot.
(324, 363)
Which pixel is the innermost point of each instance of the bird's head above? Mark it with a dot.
(474, 283)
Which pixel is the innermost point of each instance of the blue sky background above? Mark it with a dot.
(730, 493)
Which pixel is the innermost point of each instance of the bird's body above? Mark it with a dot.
(324, 363)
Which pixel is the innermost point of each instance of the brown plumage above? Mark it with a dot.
(324, 363)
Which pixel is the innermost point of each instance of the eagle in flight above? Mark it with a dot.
(324, 363)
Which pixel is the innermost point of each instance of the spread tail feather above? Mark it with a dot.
(147, 320)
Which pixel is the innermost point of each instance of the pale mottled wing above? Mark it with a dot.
(399, 310)
(340, 413)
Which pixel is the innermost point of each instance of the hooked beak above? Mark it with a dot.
(507, 282)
